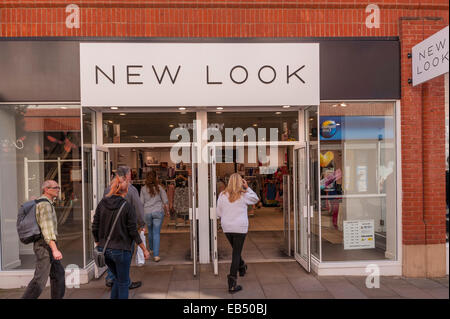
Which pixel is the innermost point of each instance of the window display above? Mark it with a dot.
(358, 181)
(40, 142)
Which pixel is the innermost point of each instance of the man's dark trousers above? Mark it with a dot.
(46, 266)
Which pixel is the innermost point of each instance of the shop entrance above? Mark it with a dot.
(279, 223)
(178, 240)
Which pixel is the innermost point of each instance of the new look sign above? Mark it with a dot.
(430, 57)
(199, 74)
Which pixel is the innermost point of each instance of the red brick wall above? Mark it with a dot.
(422, 110)
(211, 18)
(423, 144)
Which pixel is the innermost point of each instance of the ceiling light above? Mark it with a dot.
(277, 113)
(123, 114)
(171, 125)
(286, 106)
(182, 108)
(114, 108)
(311, 119)
(220, 108)
(64, 107)
(110, 121)
(255, 125)
(343, 104)
(218, 112)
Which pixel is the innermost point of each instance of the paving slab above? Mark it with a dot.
(90, 293)
(151, 293)
(443, 281)
(183, 273)
(306, 284)
(315, 295)
(438, 293)
(424, 283)
(411, 292)
(341, 288)
(187, 289)
(215, 293)
(279, 291)
(381, 292)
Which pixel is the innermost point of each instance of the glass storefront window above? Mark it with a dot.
(144, 127)
(358, 181)
(40, 142)
(88, 139)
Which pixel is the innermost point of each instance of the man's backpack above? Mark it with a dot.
(27, 226)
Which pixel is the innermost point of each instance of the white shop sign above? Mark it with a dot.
(359, 234)
(199, 74)
(430, 57)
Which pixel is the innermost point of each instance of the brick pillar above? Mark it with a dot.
(423, 160)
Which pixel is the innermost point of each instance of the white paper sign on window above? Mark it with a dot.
(359, 234)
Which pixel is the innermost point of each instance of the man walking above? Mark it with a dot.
(132, 197)
(48, 256)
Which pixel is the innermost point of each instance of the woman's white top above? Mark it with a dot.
(233, 216)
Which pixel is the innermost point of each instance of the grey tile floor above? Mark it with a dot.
(285, 280)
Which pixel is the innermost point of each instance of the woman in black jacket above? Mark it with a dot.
(118, 252)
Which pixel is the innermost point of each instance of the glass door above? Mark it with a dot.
(302, 212)
(193, 219)
(101, 176)
(102, 171)
(212, 207)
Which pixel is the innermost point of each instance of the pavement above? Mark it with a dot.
(282, 280)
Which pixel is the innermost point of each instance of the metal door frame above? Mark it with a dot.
(193, 208)
(300, 259)
(212, 208)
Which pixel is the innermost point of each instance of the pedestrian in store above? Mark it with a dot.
(48, 256)
(155, 201)
(132, 197)
(118, 252)
(232, 210)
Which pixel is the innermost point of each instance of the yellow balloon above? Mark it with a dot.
(326, 159)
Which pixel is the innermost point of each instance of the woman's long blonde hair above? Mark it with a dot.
(234, 188)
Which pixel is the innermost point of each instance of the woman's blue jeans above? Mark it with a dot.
(154, 223)
(119, 262)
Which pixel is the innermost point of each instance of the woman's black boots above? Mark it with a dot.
(242, 270)
(232, 285)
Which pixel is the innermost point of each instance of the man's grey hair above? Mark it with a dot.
(46, 184)
(122, 171)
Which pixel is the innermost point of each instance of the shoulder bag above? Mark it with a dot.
(99, 256)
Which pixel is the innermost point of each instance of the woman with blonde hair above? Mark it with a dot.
(155, 201)
(118, 239)
(232, 210)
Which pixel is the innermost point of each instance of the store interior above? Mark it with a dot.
(265, 239)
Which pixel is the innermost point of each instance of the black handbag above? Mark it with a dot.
(99, 256)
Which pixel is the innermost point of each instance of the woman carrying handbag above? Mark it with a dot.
(114, 229)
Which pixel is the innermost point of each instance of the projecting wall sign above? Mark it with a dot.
(430, 57)
(199, 74)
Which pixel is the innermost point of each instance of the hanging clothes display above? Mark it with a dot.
(181, 200)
